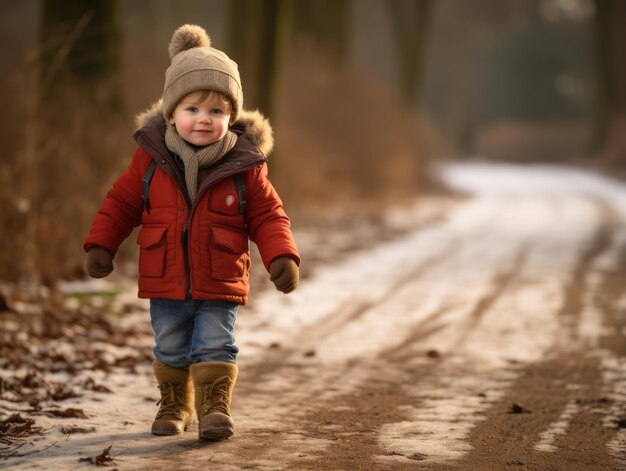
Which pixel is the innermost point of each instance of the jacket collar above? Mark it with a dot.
(254, 137)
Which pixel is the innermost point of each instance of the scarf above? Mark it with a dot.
(193, 158)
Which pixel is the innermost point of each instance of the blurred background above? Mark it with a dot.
(364, 96)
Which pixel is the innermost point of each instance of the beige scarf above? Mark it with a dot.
(194, 159)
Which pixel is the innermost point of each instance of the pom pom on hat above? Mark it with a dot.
(197, 66)
(187, 37)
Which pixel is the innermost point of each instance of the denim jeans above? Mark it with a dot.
(193, 331)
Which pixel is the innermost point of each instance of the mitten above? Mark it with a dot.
(284, 274)
(99, 262)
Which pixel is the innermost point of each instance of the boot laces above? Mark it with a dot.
(172, 400)
(216, 396)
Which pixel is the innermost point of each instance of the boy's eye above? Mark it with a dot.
(192, 109)
(216, 111)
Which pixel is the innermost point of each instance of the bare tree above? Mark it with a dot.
(69, 147)
(258, 33)
(411, 19)
(80, 46)
(324, 23)
(610, 54)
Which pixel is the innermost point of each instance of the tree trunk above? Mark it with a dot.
(610, 60)
(70, 144)
(80, 45)
(258, 35)
(410, 20)
(325, 23)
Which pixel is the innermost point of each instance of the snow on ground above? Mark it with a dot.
(529, 249)
(481, 289)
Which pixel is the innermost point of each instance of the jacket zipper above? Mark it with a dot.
(185, 232)
(184, 236)
(183, 242)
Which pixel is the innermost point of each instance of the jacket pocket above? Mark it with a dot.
(229, 253)
(152, 243)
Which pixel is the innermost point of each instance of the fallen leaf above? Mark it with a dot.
(93, 386)
(103, 459)
(69, 412)
(4, 305)
(433, 353)
(68, 429)
(517, 409)
(16, 426)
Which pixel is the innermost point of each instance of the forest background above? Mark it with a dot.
(364, 97)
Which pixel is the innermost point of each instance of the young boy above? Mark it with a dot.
(198, 186)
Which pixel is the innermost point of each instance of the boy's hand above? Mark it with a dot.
(284, 274)
(99, 262)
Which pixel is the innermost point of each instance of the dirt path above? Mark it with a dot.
(491, 339)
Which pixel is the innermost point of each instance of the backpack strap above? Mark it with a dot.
(241, 191)
(147, 178)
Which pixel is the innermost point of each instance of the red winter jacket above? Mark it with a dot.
(197, 251)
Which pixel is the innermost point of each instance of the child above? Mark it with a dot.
(198, 186)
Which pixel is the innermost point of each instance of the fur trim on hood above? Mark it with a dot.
(254, 125)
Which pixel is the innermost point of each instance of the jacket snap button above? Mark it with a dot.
(180, 283)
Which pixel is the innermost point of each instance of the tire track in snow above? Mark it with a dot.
(613, 371)
(571, 407)
(352, 311)
(475, 375)
(546, 389)
(558, 428)
(576, 289)
(435, 387)
(425, 329)
(499, 285)
(609, 301)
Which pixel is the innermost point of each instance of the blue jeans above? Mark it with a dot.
(193, 331)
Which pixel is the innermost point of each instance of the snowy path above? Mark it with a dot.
(411, 354)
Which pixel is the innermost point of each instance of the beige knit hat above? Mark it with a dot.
(197, 66)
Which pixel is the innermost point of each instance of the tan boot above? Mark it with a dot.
(213, 383)
(176, 410)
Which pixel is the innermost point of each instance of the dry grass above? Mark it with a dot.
(541, 141)
(71, 150)
(344, 141)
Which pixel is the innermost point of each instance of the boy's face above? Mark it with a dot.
(201, 122)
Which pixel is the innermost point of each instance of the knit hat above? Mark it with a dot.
(197, 66)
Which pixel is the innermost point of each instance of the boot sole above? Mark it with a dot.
(166, 433)
(215, 434)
